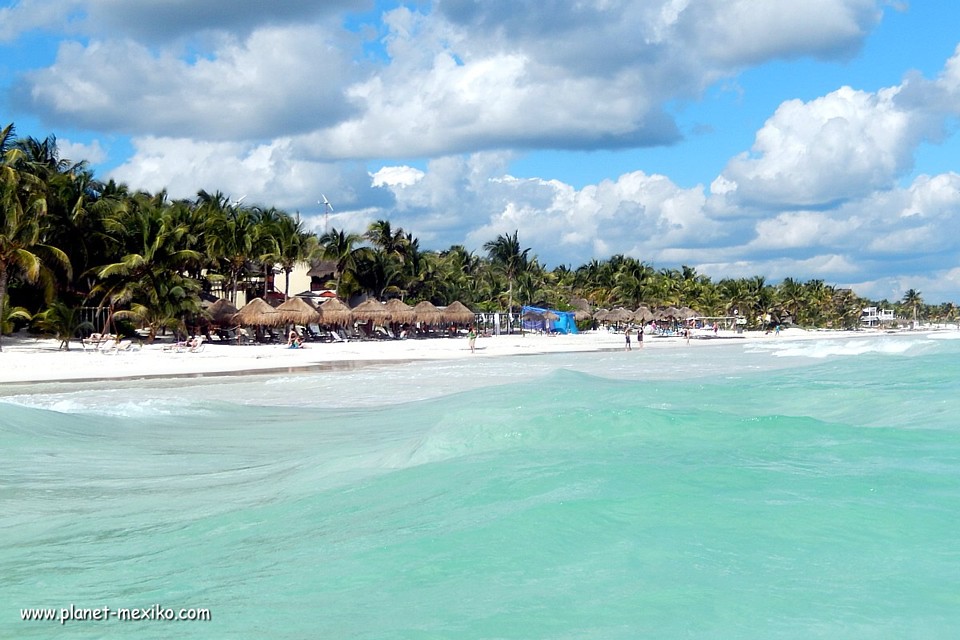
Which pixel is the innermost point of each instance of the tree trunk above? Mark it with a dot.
(3, 295)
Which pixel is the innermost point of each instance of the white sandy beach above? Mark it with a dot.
(27, 359)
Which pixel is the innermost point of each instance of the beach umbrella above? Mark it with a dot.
(457, 312)
(221, 311)
(257, 313)
(371, 309)
(334, 311)
(620, 315)
(643, 314)
(671, 312)
(298, 311)
(600, 315)
(427, 313)
(532, 315)
(399, 310)
(580, 315)
(550, 315)
(685, 313)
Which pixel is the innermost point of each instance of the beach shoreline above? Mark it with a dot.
(29, 360)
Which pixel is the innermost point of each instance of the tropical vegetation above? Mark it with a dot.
(69, 240)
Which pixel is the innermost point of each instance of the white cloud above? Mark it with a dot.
(277, 81)
(268, 173)
(91, 152)
(397, 177)
(843, 145)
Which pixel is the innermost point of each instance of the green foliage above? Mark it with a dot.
(63, 321)
(11, 316)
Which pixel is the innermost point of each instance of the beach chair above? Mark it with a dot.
(198, 345)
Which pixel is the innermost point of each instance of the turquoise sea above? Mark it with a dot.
(774, 489)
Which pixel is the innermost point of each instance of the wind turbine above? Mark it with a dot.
(327, 210)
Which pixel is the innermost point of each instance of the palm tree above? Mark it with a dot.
(294, 245)
(233, 239)
(63, 321)
(341, 247)
(22, 207)
(149, 275)
(912, 298)
(507, 256)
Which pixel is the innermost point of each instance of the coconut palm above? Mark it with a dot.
(63, 321)
(507, 256)
(912, 299)
(22, 208)
(342, 248)
(149, 275)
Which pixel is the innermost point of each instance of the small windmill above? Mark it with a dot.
(327, 210)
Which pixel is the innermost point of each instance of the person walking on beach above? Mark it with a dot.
(627, 334)
(640, 336)
(472, 339)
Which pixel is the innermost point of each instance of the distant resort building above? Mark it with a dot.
(876, 317)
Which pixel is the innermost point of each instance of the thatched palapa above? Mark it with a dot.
(371, 310)
(457, 312)
(221, 312)
(399, 310)
(298, 311)
(335, 312)
(643, 314)
(581, 314)
(258, 313)
(427, 313)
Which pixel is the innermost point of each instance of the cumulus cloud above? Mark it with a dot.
(92, 153)
(268, 173)
(847, 144)
(277, 81)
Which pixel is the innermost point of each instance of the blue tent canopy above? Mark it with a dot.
(563, 324)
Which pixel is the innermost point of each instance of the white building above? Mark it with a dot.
(876, 317)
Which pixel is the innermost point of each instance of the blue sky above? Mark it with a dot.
(814, 140)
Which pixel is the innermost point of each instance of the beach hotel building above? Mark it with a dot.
(876, 317)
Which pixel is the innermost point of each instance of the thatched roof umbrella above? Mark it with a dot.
(426, 313)
(601, 315)
(532, 315)
(371, 309)
(221, 311)
(580, 315)
(685, 313)
(620, 315)
(457, 312)
(257, 313)
(334, 311)
(399, 310)
(298, 311)
(643, 314)
(550, 315)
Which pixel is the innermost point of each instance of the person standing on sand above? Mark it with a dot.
(627, 334)
(640, 336)
(472, 339)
